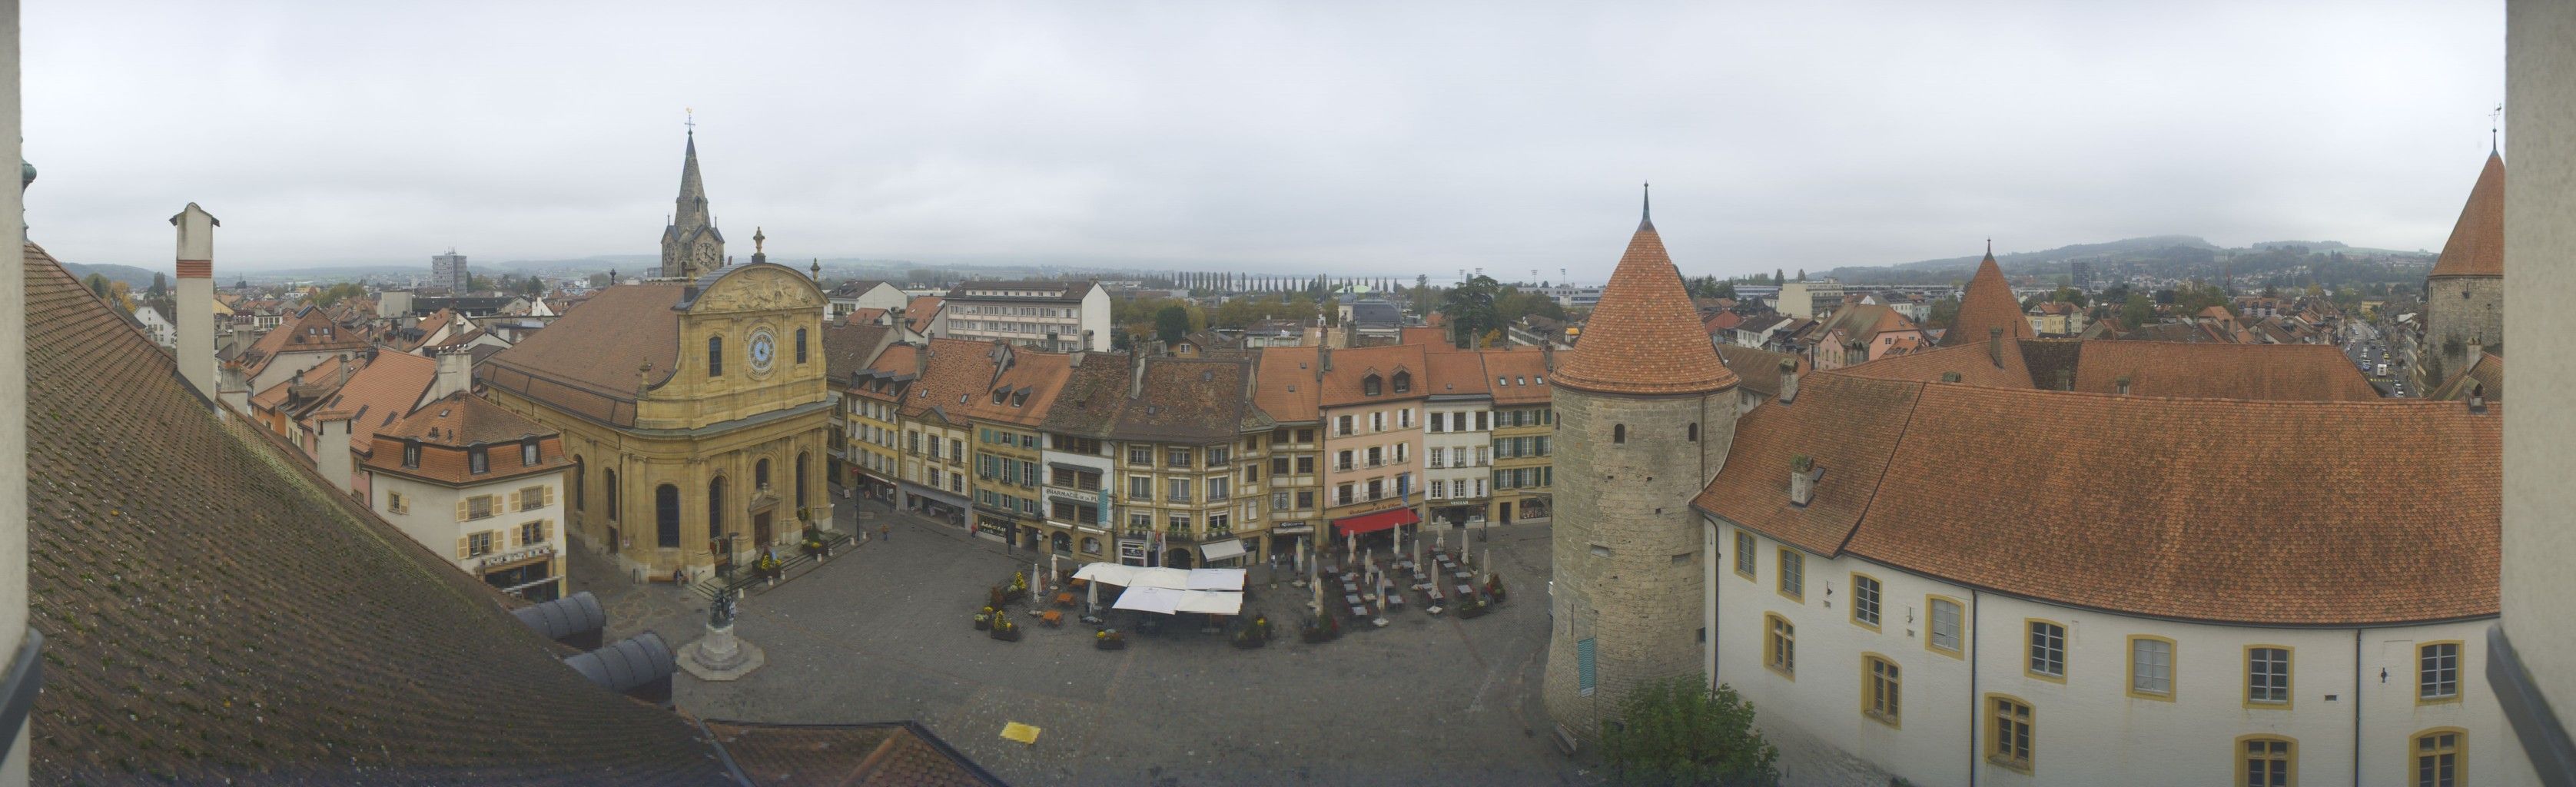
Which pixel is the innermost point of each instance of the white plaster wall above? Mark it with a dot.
(1470, 440)
(2088, 729)
(431, 518)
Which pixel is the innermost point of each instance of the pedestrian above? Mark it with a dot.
(885, 533)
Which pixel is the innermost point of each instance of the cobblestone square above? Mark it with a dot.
(886, 633)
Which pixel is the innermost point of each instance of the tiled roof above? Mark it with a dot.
(447, 427)
(847, 755)
(1975, 364)
(919, 312)
(587, 360)
(854, 288)
(311, 331)
(1188, 399)
(1433, 338)
(379, 394)
(1095, 387)
(2486, 378)
(1644, 337)
(1031, 382)
(2030, 506)
(279, 633)
(2266, 372)
(1288, 388)
(1987, 304)
(848, 346)
(1457, 373)
(1343, 383)
(2476, 247)
(1722, 321)
(1525, 369)
(1757, 370)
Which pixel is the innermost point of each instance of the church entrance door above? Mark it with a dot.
(760, 529)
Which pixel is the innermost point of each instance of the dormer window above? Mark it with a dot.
(1371, 385)
(528, 452)
(1403, 382)
(411, 453)
(998, 393)
(478, 460)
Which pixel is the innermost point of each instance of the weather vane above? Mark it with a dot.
(692, 122)
(2495, 121)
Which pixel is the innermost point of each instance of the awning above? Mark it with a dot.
(1371, 523)
(1221, 550)
(1168, 601)
(1142, 577)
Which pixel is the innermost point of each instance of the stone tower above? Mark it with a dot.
(2464, 296)
(691, 245)
(1645, 412)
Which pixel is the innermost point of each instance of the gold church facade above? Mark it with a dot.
(695, 411)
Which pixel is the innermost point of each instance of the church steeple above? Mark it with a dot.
(691, 245)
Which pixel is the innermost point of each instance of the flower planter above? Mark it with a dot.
(983, 623)
(1011, 634)
(1109, 644)
(1248, 643)
(1477, 611)
(1314, 636)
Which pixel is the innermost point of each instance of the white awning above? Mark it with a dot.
(1212, 602)
(1219, 550)
(1217, 578)
(1159, 600)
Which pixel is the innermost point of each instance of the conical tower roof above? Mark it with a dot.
(1988, 304)
(693, 190)
(1644, 338)
(2476, 247)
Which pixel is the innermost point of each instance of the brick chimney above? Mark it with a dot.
(1788, 380)
(1995, 346)
(1136, 375)
(195, 309)
(1802, 480)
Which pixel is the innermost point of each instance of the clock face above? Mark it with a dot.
(706, 255)
(763, 348)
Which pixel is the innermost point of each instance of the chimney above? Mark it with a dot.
(1323, 359)
(1087, 339)
(2065, 380)
(196, 302)
(2124, 385)
(1995, 346)
(331, 455)
(1547, 356)
(1135, 375)
(1802, 480)
(2478, 398)
(455, 373)
(921, 362)
(1788, 380)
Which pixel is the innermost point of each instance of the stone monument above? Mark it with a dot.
(720, 655)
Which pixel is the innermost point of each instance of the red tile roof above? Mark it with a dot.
(1987, 304)
(2476, 247)
(2267, 372)
(377, 395)
(918, 313)
(1644, 337)
(2031, 505)
(1287, 386)
(586, 361)
(1519, 375)
(1349, 368)
(448, 427)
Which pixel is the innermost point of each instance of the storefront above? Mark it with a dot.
(872, 487)
(1368, 527)
(1285, 536)
(997, 525)
(935, 504)
(527, 573)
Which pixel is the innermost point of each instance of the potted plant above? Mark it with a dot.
(1109, 639)
(1255, 633)
(993, 598)
(768, 566)
(1471, 607)
(1019, 585)
(1323, 627)
(815, 545)
(984, 619)
(1004, 629)
(1494, 587)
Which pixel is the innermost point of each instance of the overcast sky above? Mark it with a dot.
(1288, 137)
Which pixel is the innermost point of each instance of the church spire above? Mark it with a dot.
(1646, 216)
(691, 245)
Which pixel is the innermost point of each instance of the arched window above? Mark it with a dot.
(715, 356)
(610, 477)
(666, 515)
(803, 459)
(716, 508)
(578, 480)
(800, 345)
(1694, 432)
(760, 474)
(1619, 433)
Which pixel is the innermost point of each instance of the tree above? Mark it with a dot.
(1472, 308)
(1422, 297)
(2137, 310)
(1943, 314)
(1779, 277)
(338, 292)
(1802, 274)
(160, 286)
(1171, 322)
(1674, 731)
(2070, 295)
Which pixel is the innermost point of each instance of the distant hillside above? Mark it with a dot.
(138, 278)
(2170, 257)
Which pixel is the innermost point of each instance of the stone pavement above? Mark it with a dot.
(886, 632)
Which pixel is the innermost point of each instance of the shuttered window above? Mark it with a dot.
(1584, 677)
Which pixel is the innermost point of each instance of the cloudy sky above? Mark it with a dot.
(1287, 137)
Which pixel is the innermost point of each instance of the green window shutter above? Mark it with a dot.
(1584, 677)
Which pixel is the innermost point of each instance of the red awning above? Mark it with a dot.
(1370, 523)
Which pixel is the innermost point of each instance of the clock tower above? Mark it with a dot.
(691, 245)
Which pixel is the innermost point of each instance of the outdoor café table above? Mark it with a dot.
(1352, 599)
(1359, 612)
(1465, 591)
(1395, 600)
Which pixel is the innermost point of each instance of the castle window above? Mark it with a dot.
(715, 356)
(1618, 433)
(2269, 761)
(1694, 431)
(1793, 574)
(1947, 615)
(528, 452)
(666, 515)
(1866, 594)
(478, 460)
(1881, 689)
(2047, 651)
(2009, 722)
(1745, 560)
(2439, 757)
(2267, 676)
(1780, 646)
(2151, 668)
(2437, 675)
(411, 453)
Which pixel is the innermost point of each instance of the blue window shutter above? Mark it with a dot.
(1583, 666)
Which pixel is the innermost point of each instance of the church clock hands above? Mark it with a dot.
(763, 348)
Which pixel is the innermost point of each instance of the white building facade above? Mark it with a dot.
(1055, 316)
(1457, 455)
